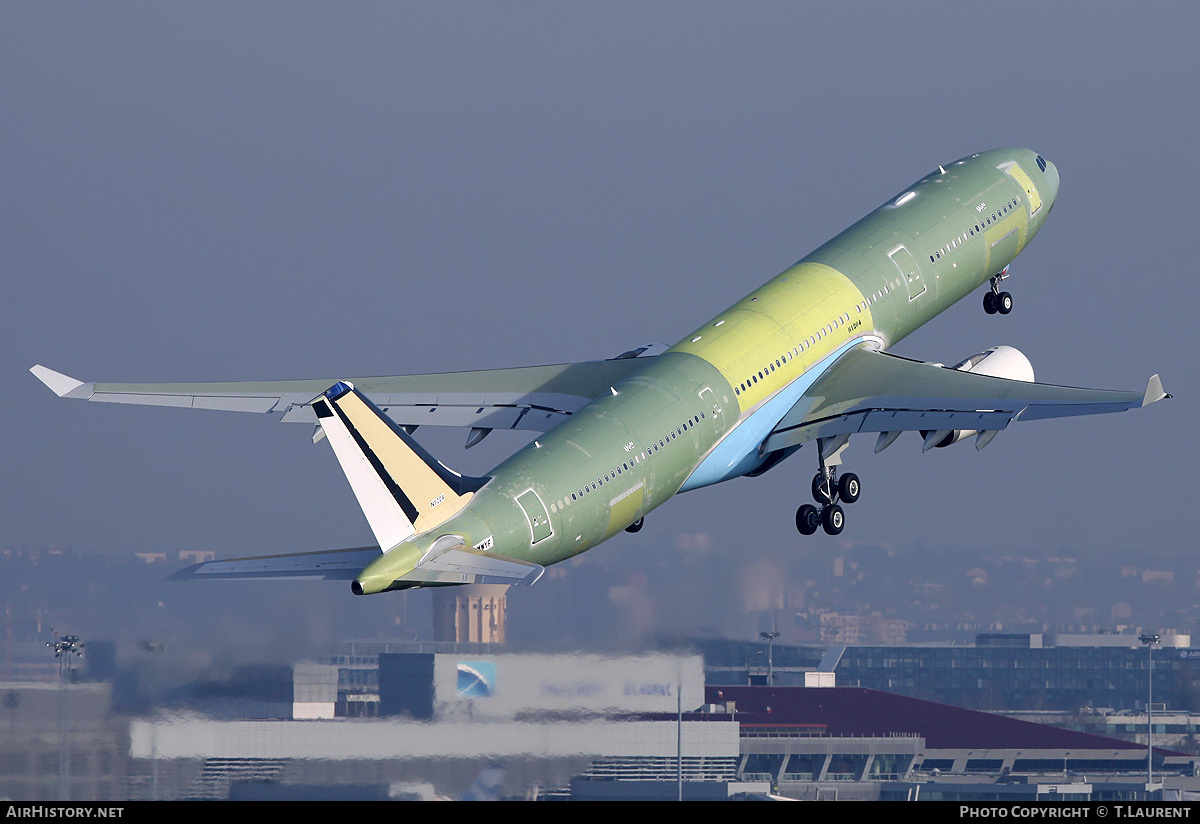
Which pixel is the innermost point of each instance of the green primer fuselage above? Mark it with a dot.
(698, 413)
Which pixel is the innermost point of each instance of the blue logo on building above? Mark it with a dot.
(476, 679)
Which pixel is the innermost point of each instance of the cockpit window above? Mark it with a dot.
(1041, 162)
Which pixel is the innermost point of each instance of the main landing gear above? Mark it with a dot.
(828, 489)
(994, 300)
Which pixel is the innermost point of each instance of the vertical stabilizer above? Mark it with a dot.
(401, 488)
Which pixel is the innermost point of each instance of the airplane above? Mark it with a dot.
(802, 359)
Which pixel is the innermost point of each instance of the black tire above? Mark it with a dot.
(833, 519)
(989, 302)
(1004, 303)
(849, 488)
(819, 490)
(807, 519)
(636, 526)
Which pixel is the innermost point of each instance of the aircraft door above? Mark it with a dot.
(539, 519)
(716, 406)
(909, 272)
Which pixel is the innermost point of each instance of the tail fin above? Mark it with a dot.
(401, 488)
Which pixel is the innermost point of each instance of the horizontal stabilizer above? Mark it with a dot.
(441, 561)
(334, 565)
(468, 566)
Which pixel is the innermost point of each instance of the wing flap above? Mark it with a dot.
(905, 421)
(491, 417)
(1044, 411)
(227, 403)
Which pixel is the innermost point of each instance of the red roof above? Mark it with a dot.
(854, 711)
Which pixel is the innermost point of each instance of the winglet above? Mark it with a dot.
(62, 385)
(1154, 391)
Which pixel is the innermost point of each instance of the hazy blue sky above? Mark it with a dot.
(270, 190)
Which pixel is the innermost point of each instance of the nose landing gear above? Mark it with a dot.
(995, 301)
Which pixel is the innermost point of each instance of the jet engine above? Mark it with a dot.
(997, 362)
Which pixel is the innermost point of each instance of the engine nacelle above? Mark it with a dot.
(997, 362)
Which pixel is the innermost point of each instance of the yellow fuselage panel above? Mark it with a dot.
(769, 338)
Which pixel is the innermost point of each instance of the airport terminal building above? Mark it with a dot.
(998, 672)
(381, 720)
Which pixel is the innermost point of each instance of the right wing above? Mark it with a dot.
(870, 391)
(535, 398)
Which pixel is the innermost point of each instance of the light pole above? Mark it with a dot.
(770, 637)
(1149, 641)
(66, 649)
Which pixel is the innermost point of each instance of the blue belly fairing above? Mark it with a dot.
(737, 453)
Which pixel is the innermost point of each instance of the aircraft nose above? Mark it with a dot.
(1051, 175)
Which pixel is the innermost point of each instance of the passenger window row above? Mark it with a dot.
(873, 297)
(764, 373)
(634, 460)
(961, 240)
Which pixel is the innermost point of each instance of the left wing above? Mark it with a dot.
(535, 398)
(870, 391)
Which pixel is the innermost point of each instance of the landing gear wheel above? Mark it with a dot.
(849, 488)
(822, 489)
(833, 519)
(1004, 303)
(989, 302)
(636, 526)
(807, 519)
